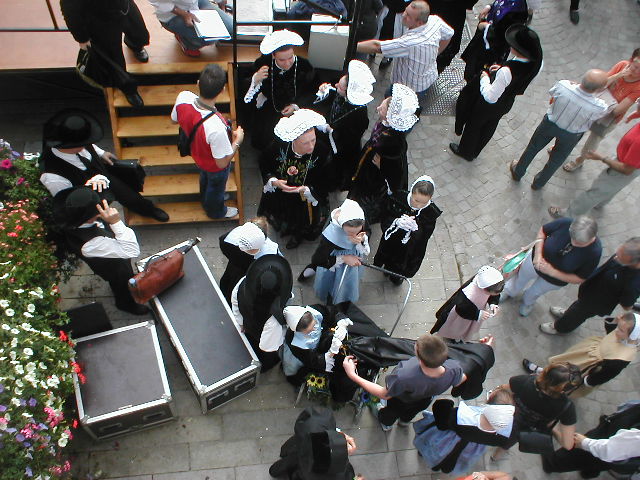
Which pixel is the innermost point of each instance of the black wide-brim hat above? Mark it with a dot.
(74, 206)
(270, 274)
(71, 128)
(323, 455)
(524, 40)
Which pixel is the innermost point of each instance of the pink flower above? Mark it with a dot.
(20, 181)
(6, 164)
(292, 170)
(12, 234)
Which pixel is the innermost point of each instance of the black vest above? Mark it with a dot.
(522, 74)
(107, 268)
(50, 163)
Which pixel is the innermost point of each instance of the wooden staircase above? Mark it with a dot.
(148, 134)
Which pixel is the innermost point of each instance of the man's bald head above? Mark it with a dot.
(594, 80)
(423, 10)
(416, 14)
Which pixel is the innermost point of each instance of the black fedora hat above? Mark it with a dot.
(323, 454)
(74, 206)
(269, 275)
(71, 128)
(524, 40)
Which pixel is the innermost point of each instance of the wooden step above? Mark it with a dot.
(158, 156)
(148, 126)
(155, 95)
(179, 184)
(180, 212)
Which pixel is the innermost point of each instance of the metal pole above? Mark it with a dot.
(234, 39)
(353, 30)
(53, 17)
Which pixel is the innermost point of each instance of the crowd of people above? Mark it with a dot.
(309, 137)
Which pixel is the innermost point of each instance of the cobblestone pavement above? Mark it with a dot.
(486, 215)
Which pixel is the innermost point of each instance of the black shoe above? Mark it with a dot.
(278, 469)
(159, 215)
(395, 280)
(134, 99)
(574, 16)
(529, 366)
(141, 55)
(455, 148)
(135, 309)
(293, 243)
(546, 464)
(384, 63)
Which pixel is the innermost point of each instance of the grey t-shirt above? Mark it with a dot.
(408, 383)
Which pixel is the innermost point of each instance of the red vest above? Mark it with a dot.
(188, 116)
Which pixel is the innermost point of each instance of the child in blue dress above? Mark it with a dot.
(337, 261)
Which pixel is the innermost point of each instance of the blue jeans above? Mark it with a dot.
(547, 131)
(188, 34)
(212, 187)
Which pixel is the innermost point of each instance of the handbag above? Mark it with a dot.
(537, 440)
(98, 70)
(185, 141)
(130, 172)
(160, 272)
(513, 261)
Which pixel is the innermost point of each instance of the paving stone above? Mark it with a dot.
(215, 474)
(136, 461)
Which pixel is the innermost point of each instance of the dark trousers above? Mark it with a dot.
(575, 460)
(547, 131)
(106, 33)
(574, 316)
(575, 5)
(404, 411)
(129, 198)
(477, 133)
(116, 271)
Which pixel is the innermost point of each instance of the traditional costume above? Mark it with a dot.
(478, 111)
(406, 232)
(257, 302)
(460, 318)
(488, 46)
(316, 451)
(452, 440)
(371, 183)
(295, 214)
(235, 245)
(280, 89)
(335, 281)
(347, 119)
(600, 359)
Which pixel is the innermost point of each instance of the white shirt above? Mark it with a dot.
(215, 130)
(416, 52)
(55, 183)
(163, 8)
(125, 245)
(574, 109)
(623, 445)
(492, 91)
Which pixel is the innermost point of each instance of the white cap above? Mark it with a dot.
(273, 41)
(402, 108)
(488, 276)
(293, 314)
(250, 237)
(291, 127)
(360, 85)
(499, 416)
(349, 210)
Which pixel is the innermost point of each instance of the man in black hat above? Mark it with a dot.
(258, 301)
(70, 159)
(100, 24)
(95, 232)
(317, 450)
(489, 96)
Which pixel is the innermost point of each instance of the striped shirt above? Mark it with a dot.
(574, 109)
(416, 52)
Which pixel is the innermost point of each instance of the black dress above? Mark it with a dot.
(237, 266)
(371, 184)
(349, 122)
(289, 213)
(281, 88)
(476, 55)
(454, 14)
(392, 254)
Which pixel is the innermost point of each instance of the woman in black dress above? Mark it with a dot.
(408, 221)
(282, 83)
(382, 167)
(297, 178)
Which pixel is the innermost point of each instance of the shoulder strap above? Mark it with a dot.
(567, 404)
(197, 125)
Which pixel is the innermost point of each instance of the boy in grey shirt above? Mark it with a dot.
(411, 386)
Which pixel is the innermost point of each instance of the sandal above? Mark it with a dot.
(572, 166)
(556, 212)
(529, 366)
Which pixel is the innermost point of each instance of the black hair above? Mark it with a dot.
(212, 80)
(304, 322)
(423, 187)
(282, 49)
(355, 222)
(496, 287)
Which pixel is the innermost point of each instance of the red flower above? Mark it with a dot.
(292, 170)
(20, 181)
(6, 164)
(12, 234)
(63, 336)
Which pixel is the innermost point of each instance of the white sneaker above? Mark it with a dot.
(231, 212)
(548, 328)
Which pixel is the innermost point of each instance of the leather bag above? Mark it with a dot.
(160, 272)
(130, 172)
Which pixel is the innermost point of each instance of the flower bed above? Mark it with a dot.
(35, 364)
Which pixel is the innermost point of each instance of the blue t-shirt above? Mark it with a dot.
(562, 255)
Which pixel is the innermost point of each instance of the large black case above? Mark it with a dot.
(126, 385)
(216, 355)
